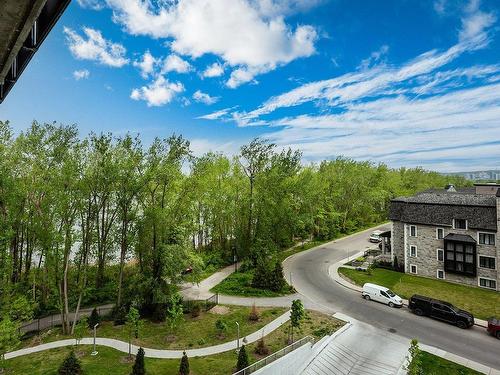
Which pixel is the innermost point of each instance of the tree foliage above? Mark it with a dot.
(184, 366)
(70, 366)
(139, 368)
(243, 360)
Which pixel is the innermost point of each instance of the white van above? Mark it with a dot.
(381, 294)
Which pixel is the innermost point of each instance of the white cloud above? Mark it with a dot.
(214, 70)
(218, 115)
(201, 146)
(92, 46)
(248, 35)
(91, 4)
(202, 97)
(157, 93)
(374, 57)
(440, 6)
(81, 74)
(173, 63)
(146, 65)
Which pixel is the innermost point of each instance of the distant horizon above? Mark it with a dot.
(365, 80)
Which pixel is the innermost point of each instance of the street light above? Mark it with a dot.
(238, 339)
(95, 351)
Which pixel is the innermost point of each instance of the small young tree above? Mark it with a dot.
(413, 359)
(80, 330)
(175, 312)
(138, 368)
(243, 361)
(221, 327)
(277, 281)
(261, 347)
(134, 325)
(261, 276)
(296, 315)
(93, 319)
(184, 366)
(70, 366)
(254, 314)
(9, 337)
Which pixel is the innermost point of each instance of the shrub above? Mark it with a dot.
(196, 310)
(221, 326)
(184, 366)
(277, 281)
(70, 366)
(261, 347)
(138, 368)
(119, 315)
(254, 314)
(261, 276)
(94, 318)
(243, 361)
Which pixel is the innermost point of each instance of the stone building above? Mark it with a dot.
(450, 234)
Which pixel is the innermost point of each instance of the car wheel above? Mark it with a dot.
(498, 335)
(419, 312)
(461, 324)
(367, 297)
(391, 304)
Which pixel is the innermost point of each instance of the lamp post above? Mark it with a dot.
(95, 351)
(238, 339)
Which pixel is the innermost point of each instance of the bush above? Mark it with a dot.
(196, 310)
(138, 368)
(254, 314)
(70, 366)
(94, 318)
(243, 361)
(221, 326)
(119, 315)
(261, 347)
(277, 282)
(261, 276)
(184, 366)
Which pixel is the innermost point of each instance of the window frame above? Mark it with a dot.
(450, 265)
(466, 224)
(416, 269)
(437, 233)
(416, 231)
(489, 234)
(487, 287)
(437, 254)
(416, 251)
(479, 256)
(437, 274)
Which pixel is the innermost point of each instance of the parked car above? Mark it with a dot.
(494, 327)
(426, 306)
(375, 236)
(381, 294)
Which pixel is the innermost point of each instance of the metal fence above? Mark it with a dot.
(55, 320)
(273, 357)
(206, 304)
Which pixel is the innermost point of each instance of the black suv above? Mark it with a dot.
(442, 310)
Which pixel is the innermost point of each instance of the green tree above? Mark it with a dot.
(296, 315)
(175, 312)
(139, 368)
(243, 360)
(93, 319)
(221, 326)
(184, 366)
(9, 337)
(70, 366)
(80, 330)
(277, 281)
(414, 360)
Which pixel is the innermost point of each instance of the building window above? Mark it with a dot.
(413, 268)
(413, 231)
(439, 233)
(459, 224)
(440, 255)
(440, 274)
(460, 257)
(487, 283)
(486, 238)
(413, 251)
(487, 262)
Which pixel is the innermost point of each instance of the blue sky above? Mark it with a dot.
(407, 83)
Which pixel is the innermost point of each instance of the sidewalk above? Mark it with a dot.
(158, 353)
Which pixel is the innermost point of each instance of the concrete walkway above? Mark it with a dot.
(158, 353)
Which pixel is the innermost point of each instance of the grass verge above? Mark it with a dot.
(110, 361)
(434, 365)
(480, 302)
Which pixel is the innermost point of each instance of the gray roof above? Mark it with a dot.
(460, 238)
(439, 207)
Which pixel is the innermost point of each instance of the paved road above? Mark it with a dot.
(310, 278)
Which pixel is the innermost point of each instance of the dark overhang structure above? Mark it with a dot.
(24, 25)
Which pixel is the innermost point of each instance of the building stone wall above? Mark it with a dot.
(397, 242)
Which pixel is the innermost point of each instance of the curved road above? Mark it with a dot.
(310, 278)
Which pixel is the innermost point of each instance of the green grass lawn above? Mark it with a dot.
(480, 302)
(240, 284)
(434, 365)
(192, 333)
(110, 361)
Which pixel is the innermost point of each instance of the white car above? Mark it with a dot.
(375, 236)
(381, 294)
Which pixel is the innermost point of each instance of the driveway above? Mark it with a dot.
(309, 271)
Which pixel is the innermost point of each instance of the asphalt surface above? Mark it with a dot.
(310, 278)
